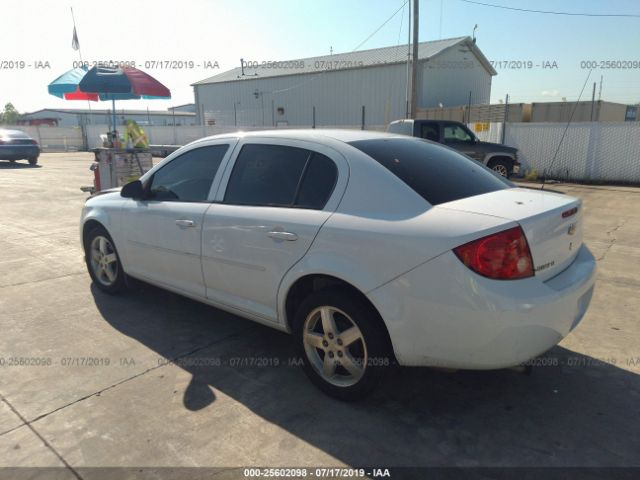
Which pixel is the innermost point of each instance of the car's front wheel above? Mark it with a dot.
(103, 261)
(341, 342)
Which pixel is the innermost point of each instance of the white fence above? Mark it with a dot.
(63, 139)
(55, 139)
(590, 151)
(181, 135)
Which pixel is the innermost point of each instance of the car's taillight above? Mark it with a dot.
(501, 256)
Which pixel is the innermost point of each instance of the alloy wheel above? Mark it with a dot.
(104, 261)
(501, 169)
(335, 346)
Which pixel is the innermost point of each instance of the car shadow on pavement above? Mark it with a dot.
(572, 411)
(16, 165)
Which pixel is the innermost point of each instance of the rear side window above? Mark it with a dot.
(317, 183)
(281, 176)
(436, 173)
(429, 131)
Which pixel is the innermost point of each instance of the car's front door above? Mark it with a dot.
(277, 196)
(461, 139)
(163, 232)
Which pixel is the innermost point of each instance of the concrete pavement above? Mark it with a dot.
(85, 382)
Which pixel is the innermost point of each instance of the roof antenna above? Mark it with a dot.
(575, 106)
(473, 34)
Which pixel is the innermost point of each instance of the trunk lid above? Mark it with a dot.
(552, 223)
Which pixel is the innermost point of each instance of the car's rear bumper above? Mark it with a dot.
(442, 314)
(18, 152)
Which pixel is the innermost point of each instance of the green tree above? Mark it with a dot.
(10, 115)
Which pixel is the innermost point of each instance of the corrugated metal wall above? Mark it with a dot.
(339, 95)
(584, 111)
(66, 119)
(448, 78)
(477, 113)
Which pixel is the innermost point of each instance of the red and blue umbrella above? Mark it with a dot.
(66, 86)
(106, 83)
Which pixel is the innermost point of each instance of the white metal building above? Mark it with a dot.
(337, 87)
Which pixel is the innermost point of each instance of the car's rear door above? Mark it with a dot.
(428, 131)
(163, 232)
(274, 198)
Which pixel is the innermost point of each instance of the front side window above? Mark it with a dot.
(455, 133)
(188, 178)
(281, 176)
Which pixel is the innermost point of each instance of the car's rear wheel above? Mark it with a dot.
(340, 340)
(33, 160)
(501, 167)
(12, 161)
(103, 261)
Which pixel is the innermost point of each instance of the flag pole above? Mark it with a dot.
(75, 37)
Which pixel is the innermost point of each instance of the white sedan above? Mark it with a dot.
(370, 248)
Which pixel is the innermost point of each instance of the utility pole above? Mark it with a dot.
(414, 60)
(593, 101)
(600, 89)
(406, 96)
(506, 117)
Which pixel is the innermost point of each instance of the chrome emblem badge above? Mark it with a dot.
(572, 229)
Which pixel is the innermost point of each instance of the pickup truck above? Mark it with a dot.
(500, 158)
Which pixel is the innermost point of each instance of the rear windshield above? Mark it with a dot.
(405, 128)
(13, 134)
(438, 174)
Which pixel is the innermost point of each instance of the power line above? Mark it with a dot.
(630, 15)
(362, 43)
(380, 27)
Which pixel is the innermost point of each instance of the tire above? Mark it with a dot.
(33, 160)
(354, 369)
(12, 161)
(501, 167)
(103, 261)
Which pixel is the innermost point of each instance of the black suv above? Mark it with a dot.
(500, 158)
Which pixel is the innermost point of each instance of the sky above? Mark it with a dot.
(210, 36)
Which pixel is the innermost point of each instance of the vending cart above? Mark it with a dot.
(115, 167)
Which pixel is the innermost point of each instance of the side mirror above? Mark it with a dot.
(133, 190)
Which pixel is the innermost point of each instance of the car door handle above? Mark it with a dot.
(185, 223)
(288, 236)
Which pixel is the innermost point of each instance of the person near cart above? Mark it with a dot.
(135, 134)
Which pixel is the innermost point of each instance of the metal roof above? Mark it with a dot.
(119, 111)
(347, 61)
